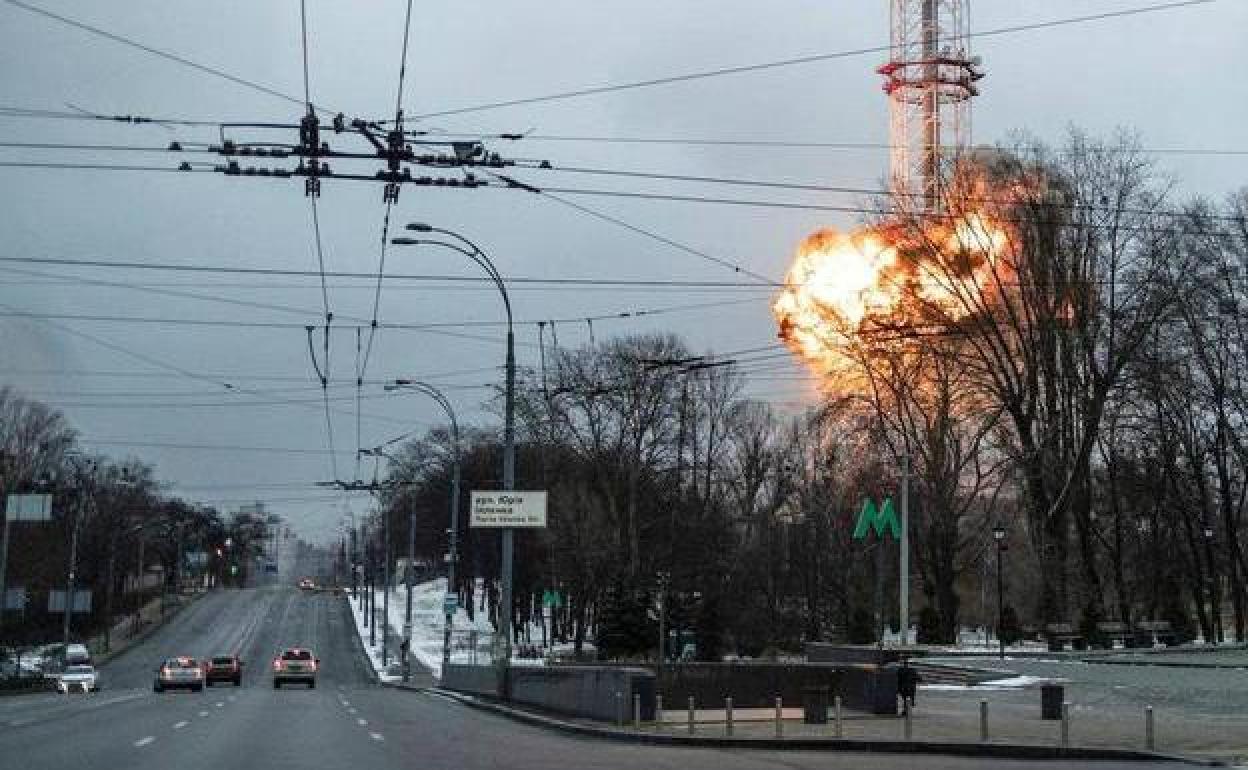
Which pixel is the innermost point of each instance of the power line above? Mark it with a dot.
(741, 69)
(872, 191)
(98, 166)
(752, 288)
(547, 194)
(798, 206)
(128, 374)
(202, 447)
(784, 143)
(400, 326)
(303, 31)
(155, 51)
(459, 279)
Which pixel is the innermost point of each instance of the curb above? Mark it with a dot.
(1166, 664)
(104, 658)
(358, 643)
(946, 748)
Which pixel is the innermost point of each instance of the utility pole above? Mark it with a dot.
(903, 589)
(112, 580)
(372, 593)
(663, 578)
(73, 566)
(385, 591)
(4, 565)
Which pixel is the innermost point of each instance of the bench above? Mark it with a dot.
(1061, 634)
(1113, 631)
(1150, 632)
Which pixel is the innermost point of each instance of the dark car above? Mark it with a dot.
(179, 672)
(223, 668)
(295, 665)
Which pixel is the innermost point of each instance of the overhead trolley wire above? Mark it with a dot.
(385, 224)
(323, 369)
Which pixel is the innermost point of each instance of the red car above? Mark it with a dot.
(223, 668)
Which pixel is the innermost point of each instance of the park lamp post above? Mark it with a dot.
(452, 533)
(474, 252)
(998, 536)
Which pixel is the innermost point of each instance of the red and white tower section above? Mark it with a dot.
(930, 78)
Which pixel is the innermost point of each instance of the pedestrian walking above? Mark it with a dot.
(907, 685)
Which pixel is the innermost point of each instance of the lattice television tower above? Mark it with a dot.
(930, 79)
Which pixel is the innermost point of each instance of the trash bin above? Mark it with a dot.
(815, 705)
(1051, 697)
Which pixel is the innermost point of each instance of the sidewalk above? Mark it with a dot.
(126, 634)
(762, 735)
(389, 672)
(944, 718)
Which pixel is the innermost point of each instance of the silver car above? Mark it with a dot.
(78, 678)
(295, 665)
(179, 672)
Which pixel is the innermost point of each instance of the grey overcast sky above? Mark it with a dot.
(1176, 77)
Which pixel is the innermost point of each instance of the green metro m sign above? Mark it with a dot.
(879, 519)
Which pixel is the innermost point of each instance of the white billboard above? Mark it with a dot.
(28, 507)
(510, 508)
(82, 601)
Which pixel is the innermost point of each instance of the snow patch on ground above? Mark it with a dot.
(374, 653)
(1006, 683)
(428, 624)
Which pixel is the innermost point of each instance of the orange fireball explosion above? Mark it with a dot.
(839, 281)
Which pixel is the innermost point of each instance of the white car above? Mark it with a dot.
(82, 678)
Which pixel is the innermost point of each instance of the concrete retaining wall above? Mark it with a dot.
(584, 691)
(756, 684)
(579, 691)
(474, 680)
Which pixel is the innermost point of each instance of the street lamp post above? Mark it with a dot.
(86, 471)
(474, 252)
(998, 536)
(451, 552)
(1215, 603)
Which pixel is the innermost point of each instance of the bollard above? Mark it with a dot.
(619, 708)
(658, 712)
(1150, 738)
(779, 717)
(839, 733)
(728, 716)
(906, 724)
(636, 712)
(691, 715)
(983, 721)
(1065, 724)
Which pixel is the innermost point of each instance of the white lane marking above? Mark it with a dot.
(376, 736)
(362, 722)
(346, 702)
(203, 713)
(351, 710)
(220, 704)
(140, 743)
(180, 725)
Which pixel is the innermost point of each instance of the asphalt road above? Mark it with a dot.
(346, 722)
